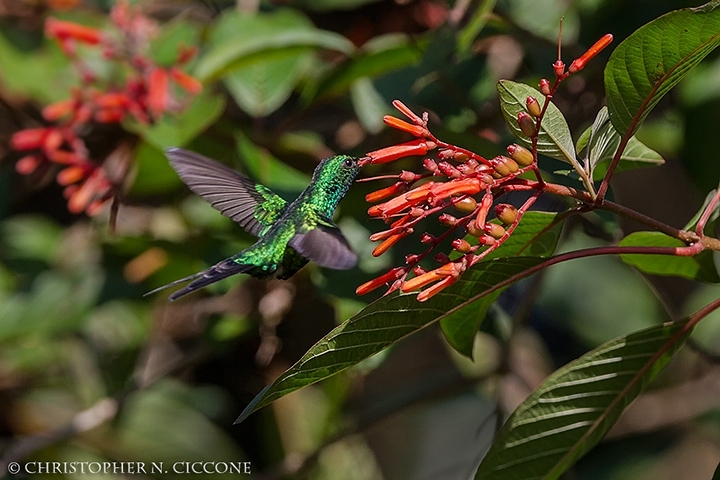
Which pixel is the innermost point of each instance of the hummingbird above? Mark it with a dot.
(289, 234)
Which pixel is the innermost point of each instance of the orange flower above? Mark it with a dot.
(189, 83)
(158, 94)
(63, 30)
(407, 112)
(407, 149)
(415, 130)
(29, 139)
(435, 289)
(390, 276)
(57, 110)
(386, 192)
(389, 242)
(580, 62)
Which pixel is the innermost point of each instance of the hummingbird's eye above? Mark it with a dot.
(348, 163)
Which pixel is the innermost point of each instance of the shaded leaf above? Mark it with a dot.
(268, 170)
(179, 129)
(263, 86)
(535, 235)
(574, 408)
(647, 64)
(378, 56)
(700, 267)
(153, 174)
(369, 105)
(475, 24)
(384, 323)
(603, 143)
(554, 139)
(240, 39)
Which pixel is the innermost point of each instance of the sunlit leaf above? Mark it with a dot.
(647, 64)
(699, 267)
(382, 324)
(537, 234)
(554, 139)
(574, 408)
(603, 143)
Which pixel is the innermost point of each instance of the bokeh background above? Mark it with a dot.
(90, 370)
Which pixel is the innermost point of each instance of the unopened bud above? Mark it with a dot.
(466, 205)
(544, 86)
(408, 177)
(533, 107)
(473, 230)
(416, 212)
(486, 240)
(445, 154)
(427, 238)
(461, 156)
(461, 245)
(442, 258)
(447, 220)
(449, 170)
(520, 154)
(526, 124)
(430, 165)
(504, 166)
(506, 213)
(412, 259)
(494, 230)
(418, 270)
(559, 68)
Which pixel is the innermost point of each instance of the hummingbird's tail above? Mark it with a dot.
(202, 279)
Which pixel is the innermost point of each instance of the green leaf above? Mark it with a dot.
(700, 267)
(369, 105)
(382, 324)
(603, 143)
(477, 22)
(263, 86)
(381, 55)
(241, 39)
(31, 237)
(174, 34)
(536, 235)
(268, 170)
(153, 173)
(574, 408)
(554, 139)
(179, 129)
(647, 64)
(712, 219)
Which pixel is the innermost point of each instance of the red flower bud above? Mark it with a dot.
(506, 213)
(29, 139)
(187, 82)
(158, 93)
(526, 124)
(521, 155)
(27, 165)
(559, 68)
(57, 110)
(447, 220)
(63, 30)
(544, 86)
(494, 230)
(407, 112)
(533, 107)
(466, 205)
(461, 245)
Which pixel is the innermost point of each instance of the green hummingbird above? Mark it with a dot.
(289, 234)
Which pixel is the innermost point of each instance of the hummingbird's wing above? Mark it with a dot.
(253, 206)
(325, 245)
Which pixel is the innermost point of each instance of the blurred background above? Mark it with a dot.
(92, 217)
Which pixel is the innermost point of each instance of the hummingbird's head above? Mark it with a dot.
(338, 170)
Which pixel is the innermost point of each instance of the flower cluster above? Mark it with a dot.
(456, 178)
(145, 91)
(462, 180)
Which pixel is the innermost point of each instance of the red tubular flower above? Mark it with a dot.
(407, 112)
(386, 192)
(400, 203)
(188, 83)
(28, 164)
(384, 279)
(389, 242)
(580, 62)
(468, 186)
(158, 93)
(70, 175)
(63, 30)
(435, 289)
(29, 139)
(396, 123)
(112, 100)
(57, 110)
(412, 148)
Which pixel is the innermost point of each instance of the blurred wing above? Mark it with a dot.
(326, 246)
(253, 206)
